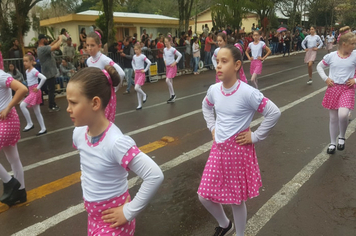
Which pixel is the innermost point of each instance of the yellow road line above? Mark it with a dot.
(69, 180)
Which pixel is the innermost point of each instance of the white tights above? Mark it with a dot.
(140, 95)
(170, 86)
(254, 79)
(13, 158)
(37, 111)
(338, 124)
(239, 212)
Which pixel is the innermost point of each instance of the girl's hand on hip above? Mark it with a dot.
(143, 71)
(315, 49)
(213, 134)
(115, 215)
(3, 114)
(329, 82)
(35, 90)
(350, 82)
(174, 64)
(307, 49)
(244, 138)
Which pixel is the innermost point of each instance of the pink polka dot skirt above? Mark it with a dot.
(256, 67)
(97, 227)
(33, 98)
(171, 72)
(231, 174)
(140, 77)
(10, 129)
(340, 95)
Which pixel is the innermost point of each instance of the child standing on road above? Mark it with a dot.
(169, 54)
(330, 40)
(138, 64)
(340, 95)
(231, 174)
(313, 42)
(222, 40)
(14, 187)
(256, 47)
(99, 60)
(34, 99)
(106, 155)
(196, 54)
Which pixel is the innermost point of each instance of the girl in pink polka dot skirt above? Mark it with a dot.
(14, 187)
(231, 174)
(339, 97)
(34, 99)
(99, 60)
(106, 156)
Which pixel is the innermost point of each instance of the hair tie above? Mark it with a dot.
(345, 32)
(32, 56)
(224, 32)
(107, 76)
(98, 34)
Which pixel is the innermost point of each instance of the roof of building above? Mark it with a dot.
(130, 15)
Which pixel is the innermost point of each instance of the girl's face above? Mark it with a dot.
(79, 106)
(92, 47)
(226, 68)
(11, 67)
(167, 43)
(350, 45)
(137, 51)
(256, 36)
(312, 30)
(221, 42)
(27, 62)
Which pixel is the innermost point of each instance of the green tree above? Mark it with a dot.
(228, 12)
(185, 9)
(263, 8)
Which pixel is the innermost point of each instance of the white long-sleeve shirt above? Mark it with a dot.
(5, 90)
(105, 166)
(169, 55)
(32, 78)
(341, 69)
(138, 62)
(235, 108)
(312, 41)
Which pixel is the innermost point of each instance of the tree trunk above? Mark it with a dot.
(109, 18)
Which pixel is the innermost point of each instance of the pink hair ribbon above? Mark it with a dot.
(98, 34)
(110, 109)
(338, 37)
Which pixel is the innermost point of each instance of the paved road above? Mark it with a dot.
(305, 192)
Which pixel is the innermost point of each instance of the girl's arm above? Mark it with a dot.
(321, 69)
(321, 43)
(20, 92)
(148, 64)
(213, 59)
(43, 80)
(133, 63)
(271, 113)
(268, 53)
(121, 74)
(304, 42)
(208, 113)
(179, 55)
(247, 53)
(152, 176)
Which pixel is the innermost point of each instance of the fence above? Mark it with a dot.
(78, 62)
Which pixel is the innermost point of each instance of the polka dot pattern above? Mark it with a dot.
(340, 95)
(140, 77)
(231, 93)
(256, 67)
(171, 72)
(134, 151)
(96, 226)
(10, 129)
(8, 82)
(263, 104)
(231, 174)
(209, 103)
(33, 98)
(110, 109)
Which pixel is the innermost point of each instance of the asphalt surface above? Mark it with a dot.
(305, 192)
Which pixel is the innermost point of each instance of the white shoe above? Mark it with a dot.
(310, 81)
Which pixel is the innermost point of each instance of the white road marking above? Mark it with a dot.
(164, 103)
(41, 227)
(289, 190)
